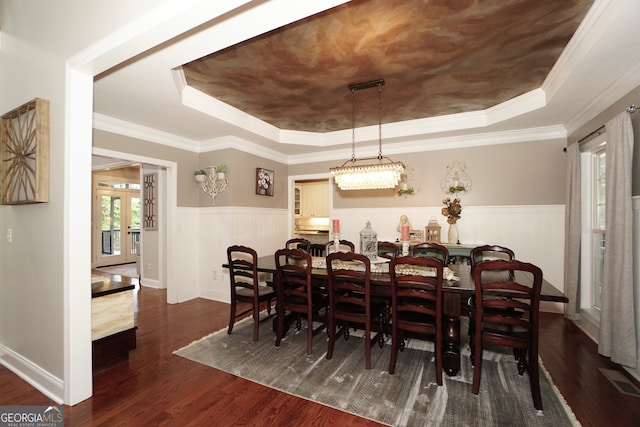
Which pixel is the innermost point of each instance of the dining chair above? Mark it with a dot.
(344, 246)
(432, 250)
(520, 332)
(350, 302)
(298, 243)
(490, 253)
(416, 305)
(387, 249)
(246, 287)
(486, 253)
(295, 294)
(318, 249)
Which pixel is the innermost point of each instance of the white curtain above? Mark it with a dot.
(617, 320)
(572, 227)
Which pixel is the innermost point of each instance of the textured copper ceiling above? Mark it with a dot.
(437, 57)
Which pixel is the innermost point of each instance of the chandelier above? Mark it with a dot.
(382, 172)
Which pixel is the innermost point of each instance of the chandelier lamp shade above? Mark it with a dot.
(376, 172)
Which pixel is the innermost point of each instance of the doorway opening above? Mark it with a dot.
(116, 211)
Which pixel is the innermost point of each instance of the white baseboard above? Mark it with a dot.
(43, 381)
(151, 283)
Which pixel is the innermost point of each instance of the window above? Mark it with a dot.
(593, 162)
(598, 225)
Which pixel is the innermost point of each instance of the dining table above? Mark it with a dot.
(457, 291)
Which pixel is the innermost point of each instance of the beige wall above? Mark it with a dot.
(527, 173)
(241, 190)
(530, 173)
(187, 161)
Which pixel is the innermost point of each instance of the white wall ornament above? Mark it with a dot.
(456, 180)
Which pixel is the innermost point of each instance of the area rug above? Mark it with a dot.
(129, 270)
(410, 397)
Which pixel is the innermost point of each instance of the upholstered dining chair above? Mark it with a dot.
(295, 293)
(431, 250)
(344, 246)
(519, 331)
(350, 302)
(416, 305)
(387, 249)
(482, 254)
(246, 287)
(298, 243)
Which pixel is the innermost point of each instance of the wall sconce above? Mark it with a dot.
(407, 186)
(456, 180)
(212, 181)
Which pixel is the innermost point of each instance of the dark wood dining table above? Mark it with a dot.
(455, 304)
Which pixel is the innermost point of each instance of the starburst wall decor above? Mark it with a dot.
(24, 154)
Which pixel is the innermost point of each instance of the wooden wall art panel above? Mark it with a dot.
(150, 219)
(24, 154)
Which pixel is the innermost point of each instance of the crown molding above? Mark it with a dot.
(121, 127)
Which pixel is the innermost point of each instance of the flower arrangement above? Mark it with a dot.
(200, 172)
(452, 209)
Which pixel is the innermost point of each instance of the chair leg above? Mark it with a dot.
(381, 318)
(477, 368)
(280, 331)
(232, 316)
(332, 338)
(367, 343)
(534, 379)
(394, 349)
(309, 332)
(256, 325)
(438, 354)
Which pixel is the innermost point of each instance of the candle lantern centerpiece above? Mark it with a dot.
(432, 231)
(369, 242)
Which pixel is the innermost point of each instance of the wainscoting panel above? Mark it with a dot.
(264, 230)
(534, 232)
(185, 258)
(636, 275)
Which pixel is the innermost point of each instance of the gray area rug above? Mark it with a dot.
(410, 397)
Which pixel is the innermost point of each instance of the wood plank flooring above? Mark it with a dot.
(154, 387)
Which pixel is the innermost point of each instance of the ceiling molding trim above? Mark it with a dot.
(594, 25)
(120, 127)
(243, 145)
(179, 79)
(522, 104)
(105, 163)
(160, 24)
(619, 88)
(213, 107)
(437, 144)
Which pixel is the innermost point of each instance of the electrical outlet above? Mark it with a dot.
(9, 235)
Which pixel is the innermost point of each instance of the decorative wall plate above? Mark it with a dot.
(24, 154)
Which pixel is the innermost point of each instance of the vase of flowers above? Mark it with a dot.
(452, 210)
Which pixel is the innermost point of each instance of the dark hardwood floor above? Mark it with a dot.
(155, 387)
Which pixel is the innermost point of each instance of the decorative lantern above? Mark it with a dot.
(432, 231)
(369, 242)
